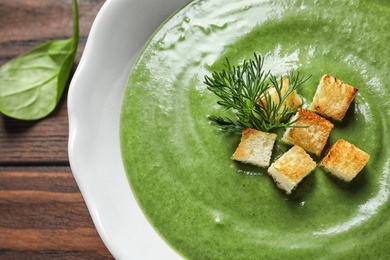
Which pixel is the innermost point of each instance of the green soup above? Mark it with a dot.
(179, 167)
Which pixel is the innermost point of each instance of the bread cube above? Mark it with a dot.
(333, 98)
(293, 100)
(289, 170)
(255, 147)
(314, 136)
(344, 160)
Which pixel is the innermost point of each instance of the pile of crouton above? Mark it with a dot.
(344, 160)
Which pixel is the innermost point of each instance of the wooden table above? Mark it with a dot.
(42, 212)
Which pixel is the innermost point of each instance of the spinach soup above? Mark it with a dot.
(179, 166)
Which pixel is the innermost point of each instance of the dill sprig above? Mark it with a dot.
(245, 91)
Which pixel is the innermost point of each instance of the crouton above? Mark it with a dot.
(293, 100)
(289, 170)
(344, 160)
(313, 132)
(255, 147)
(333, 98)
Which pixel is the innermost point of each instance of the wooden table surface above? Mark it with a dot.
(42, 212)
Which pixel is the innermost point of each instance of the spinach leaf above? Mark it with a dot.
(32, 84)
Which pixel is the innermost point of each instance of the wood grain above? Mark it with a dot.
(42, 212)
(25, 24)
(42, 142)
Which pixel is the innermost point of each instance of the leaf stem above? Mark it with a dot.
(75, 37)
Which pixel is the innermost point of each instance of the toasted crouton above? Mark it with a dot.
(333, 98)
(255, 147)
(289, 170)
(344, 160)
(293, 100)
(313, 133)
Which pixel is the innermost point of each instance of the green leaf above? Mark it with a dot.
(32, 84)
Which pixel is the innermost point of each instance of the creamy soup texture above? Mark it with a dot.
(179, 167)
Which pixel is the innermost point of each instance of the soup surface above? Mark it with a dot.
(179, 166)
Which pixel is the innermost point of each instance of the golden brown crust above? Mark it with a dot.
(313, 136)
(333, 97)
(295, 164)
(255, 147)
(241, 151)
(289, 169)
(344, 160)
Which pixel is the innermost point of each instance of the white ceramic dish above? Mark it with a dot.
(118, 34)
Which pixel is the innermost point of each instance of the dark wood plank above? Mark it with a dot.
(42, 213)
(50, 255)
(45, 179)
(42, 142)
(25, 24)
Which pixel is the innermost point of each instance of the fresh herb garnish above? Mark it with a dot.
(245, 90)
(32, 84)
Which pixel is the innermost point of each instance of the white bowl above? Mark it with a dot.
(118, 34)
